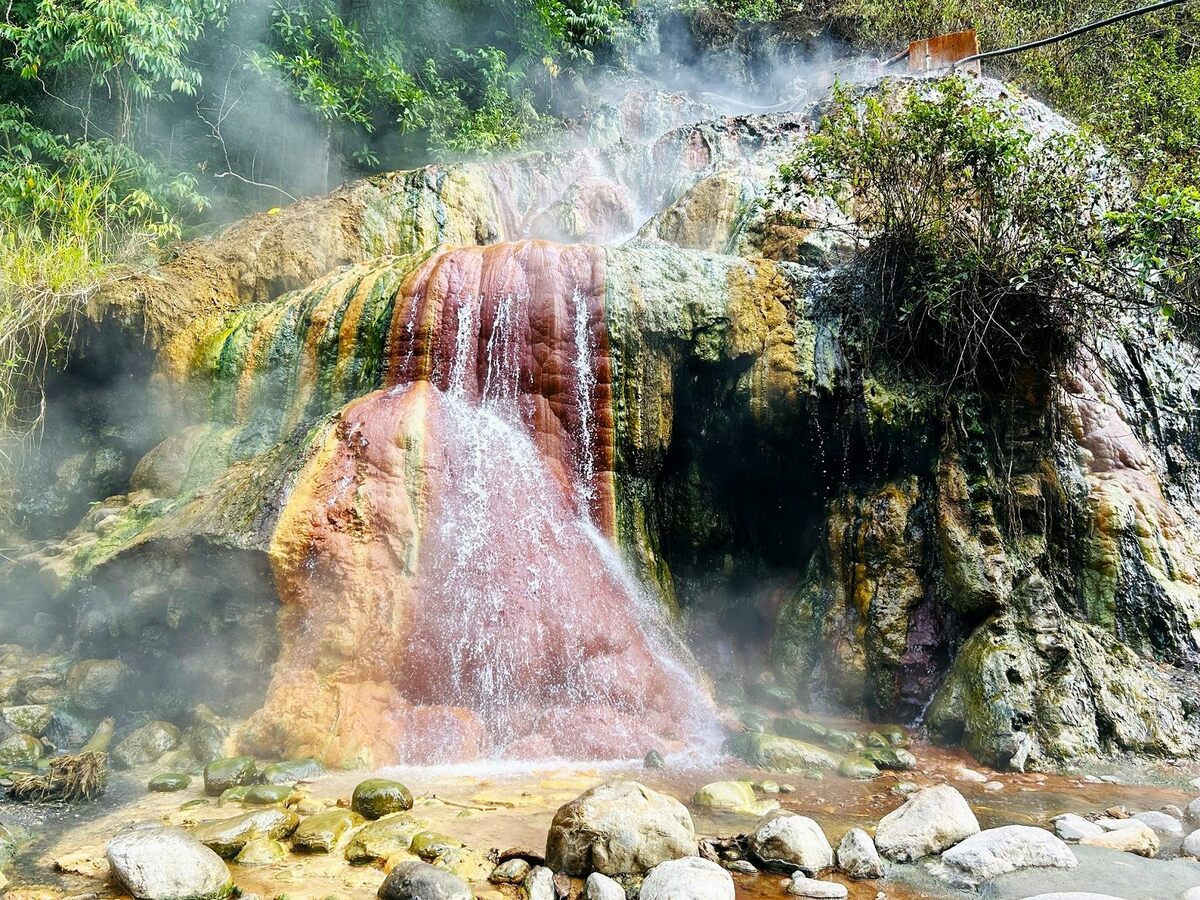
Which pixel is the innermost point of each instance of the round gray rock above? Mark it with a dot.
(994, 852)
(930, 821)
(691, 878)
(155, 863)
(796, 841)
(619, 828)
(421, 881)
(1191, 845)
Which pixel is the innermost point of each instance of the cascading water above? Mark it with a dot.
(447, 557)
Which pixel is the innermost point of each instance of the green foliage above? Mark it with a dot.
(360, 87)
(135, 50)
(1137, 84)
(57, 244)
(129, 191)
(1159, 240)
(982, 242)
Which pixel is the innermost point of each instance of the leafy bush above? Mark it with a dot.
(983, 245)
(1137, 84)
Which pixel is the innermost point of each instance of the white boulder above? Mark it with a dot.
(619, 828)
(601, 887)
(857, 856)
(930, 821)
(997, 851)
(1071, 827)
(1137, 838)
(156, 863)
(793, 840)
(691, 878)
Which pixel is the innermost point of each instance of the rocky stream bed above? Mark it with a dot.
(498, 828)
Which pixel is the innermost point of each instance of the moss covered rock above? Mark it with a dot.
(324, 831)
(385, 837)
(234, 771)
(169, 782)
(377, 797)
(781, 754)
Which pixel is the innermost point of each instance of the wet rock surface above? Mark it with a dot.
(691, 878)
(167, 864)
(619, 828)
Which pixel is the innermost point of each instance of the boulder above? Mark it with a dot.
(168, 782)
(653, 760)
(155, 863)
(781, 754)
(896, 759)
(1073, 895)
(377, 797)
(1071, 827)
(227, 837)
(515, 871)
(858, 766)
(801, 886)
(1137, 838)
(619, 828)
(384, 837)
(725, 795)
(1191, 845)
(785, 840)
(857, 856)
(430, 845)
(261, 851)
(93, 684)
(234, 771)
(1193, 811)
(266, 794)
(691, 878)
(20, 750)
(146, 744)
(31, 719)
(322, 833)
(1161, 822)
(930, 821)
(421, 881)
(539, 884)
(292, 771)
(991, 853)
(601, 887)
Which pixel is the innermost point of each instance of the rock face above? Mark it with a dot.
(1022, 566)
(994, 852)
(929, 822)
(619, 828)
(687, 879)
(796, 842)
(155, 863)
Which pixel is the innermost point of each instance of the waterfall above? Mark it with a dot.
(450, 551)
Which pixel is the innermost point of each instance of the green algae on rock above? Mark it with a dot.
(378, 797)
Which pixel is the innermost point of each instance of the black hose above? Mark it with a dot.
(1092, 26)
